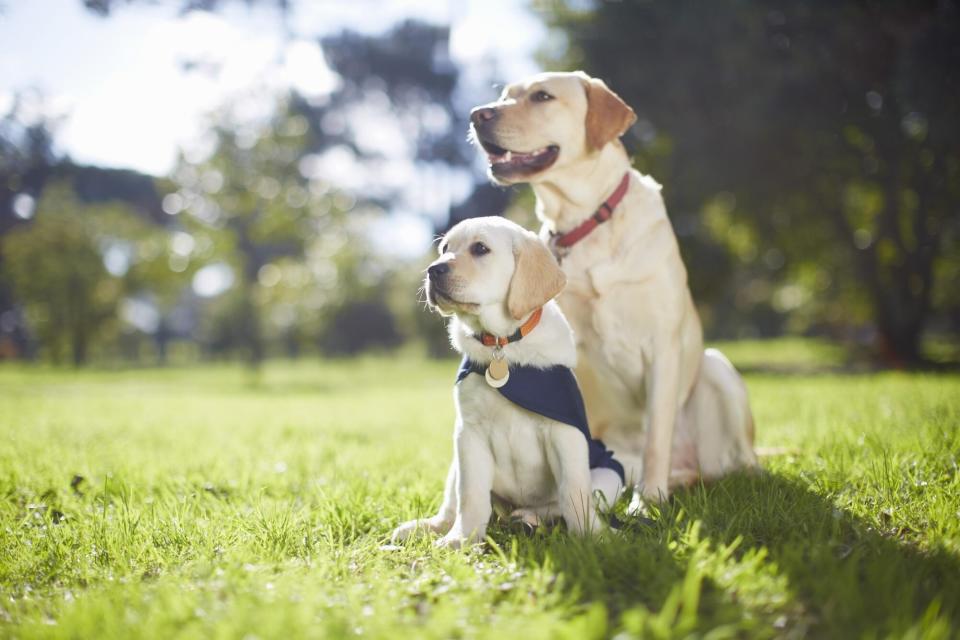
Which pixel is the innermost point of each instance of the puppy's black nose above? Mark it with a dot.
(483, 114)
(437, 270)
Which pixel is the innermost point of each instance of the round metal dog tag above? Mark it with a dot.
(497, 373)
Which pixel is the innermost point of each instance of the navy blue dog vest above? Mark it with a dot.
(552, 393)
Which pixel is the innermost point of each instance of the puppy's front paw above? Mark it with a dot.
(637, 507)
(413, 528)
(452, 541)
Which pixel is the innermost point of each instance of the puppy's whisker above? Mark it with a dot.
(422, 298)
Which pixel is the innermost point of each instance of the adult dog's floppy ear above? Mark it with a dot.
(608, 116)
(537, 278)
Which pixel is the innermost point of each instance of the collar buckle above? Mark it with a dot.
(564, 241)
(603, 214)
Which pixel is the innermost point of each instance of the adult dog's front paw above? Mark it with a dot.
(414, 528)
(655, 494)
(528, 519)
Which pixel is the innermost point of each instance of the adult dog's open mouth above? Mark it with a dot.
(505, 163)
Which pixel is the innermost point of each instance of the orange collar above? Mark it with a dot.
(490, 340)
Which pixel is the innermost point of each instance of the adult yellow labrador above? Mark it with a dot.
(671, 411)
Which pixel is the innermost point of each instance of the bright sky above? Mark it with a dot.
(122, 98)
(127, 102)
(118, 86)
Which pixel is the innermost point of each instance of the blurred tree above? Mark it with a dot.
(388, 138)
(294, 197)
(818, 143)
(57, 273)
(361, 325)
(154, 265)
(406, 75)
(127, 233)
(410, 66)
(397, 112)
(296, 241)
(250, 199)
(26, 159)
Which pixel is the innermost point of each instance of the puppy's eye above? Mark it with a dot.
(479, 249)
(541, 96)
(443, 248)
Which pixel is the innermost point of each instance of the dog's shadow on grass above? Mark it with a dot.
(844, 576)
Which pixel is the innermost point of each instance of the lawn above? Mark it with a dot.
(205, 503)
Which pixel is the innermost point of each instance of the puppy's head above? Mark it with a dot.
(547, 121)
(492, 265)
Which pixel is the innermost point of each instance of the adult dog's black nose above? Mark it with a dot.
(437, 270)
(481, 115)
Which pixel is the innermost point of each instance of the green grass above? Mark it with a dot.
(785, 354)
(217, 506)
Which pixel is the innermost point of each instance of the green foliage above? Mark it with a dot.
(288, 239)
(264, 199)
(296, 232)
(55, 265)
(55, 269)
(196, 503)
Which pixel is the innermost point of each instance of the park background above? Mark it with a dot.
(220, 391)
(243, 180)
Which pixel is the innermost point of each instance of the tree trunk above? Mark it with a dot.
(900, 313)
(79, 346)
(162, 339)
(250, 322)
(251, 329)
(899, 343)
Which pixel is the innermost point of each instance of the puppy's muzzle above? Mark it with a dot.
(437, 280)
(437, 271)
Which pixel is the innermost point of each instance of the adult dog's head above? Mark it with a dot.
(547, 121)
(492, 267)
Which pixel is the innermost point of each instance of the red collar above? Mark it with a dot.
(490, 340)
(570, 238)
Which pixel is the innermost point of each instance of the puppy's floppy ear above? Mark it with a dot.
(608, 116)
(537, 278)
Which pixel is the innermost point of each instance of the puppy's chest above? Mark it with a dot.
(517, 440)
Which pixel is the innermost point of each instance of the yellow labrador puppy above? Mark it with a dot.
(521, 434)
(652, 392)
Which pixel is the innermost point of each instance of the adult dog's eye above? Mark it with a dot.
(479, 249)
(541, 96)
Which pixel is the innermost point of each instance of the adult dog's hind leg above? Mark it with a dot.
(719, 417)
